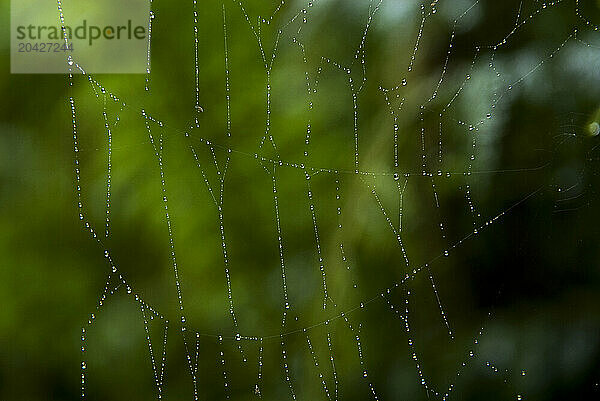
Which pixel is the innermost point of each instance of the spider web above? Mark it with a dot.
(294, 201)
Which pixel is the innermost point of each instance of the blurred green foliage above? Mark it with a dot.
(530, 279)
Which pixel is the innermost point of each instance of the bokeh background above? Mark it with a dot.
(530, 279)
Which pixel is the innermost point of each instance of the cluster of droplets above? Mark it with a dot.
(343, 255)
(259, 376)
(157, 145)
(401, 190)
(396, 231)
(151, 17)
(286, 301)
(361, 359)
(108, 165)
(193, 364)
(311, 205)
(224, 368)
(286, 368)
(319, 371)
(333, 368)
(196, 62)
(158, 370)
(394, 112)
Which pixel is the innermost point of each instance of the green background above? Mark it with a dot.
(530, 279)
